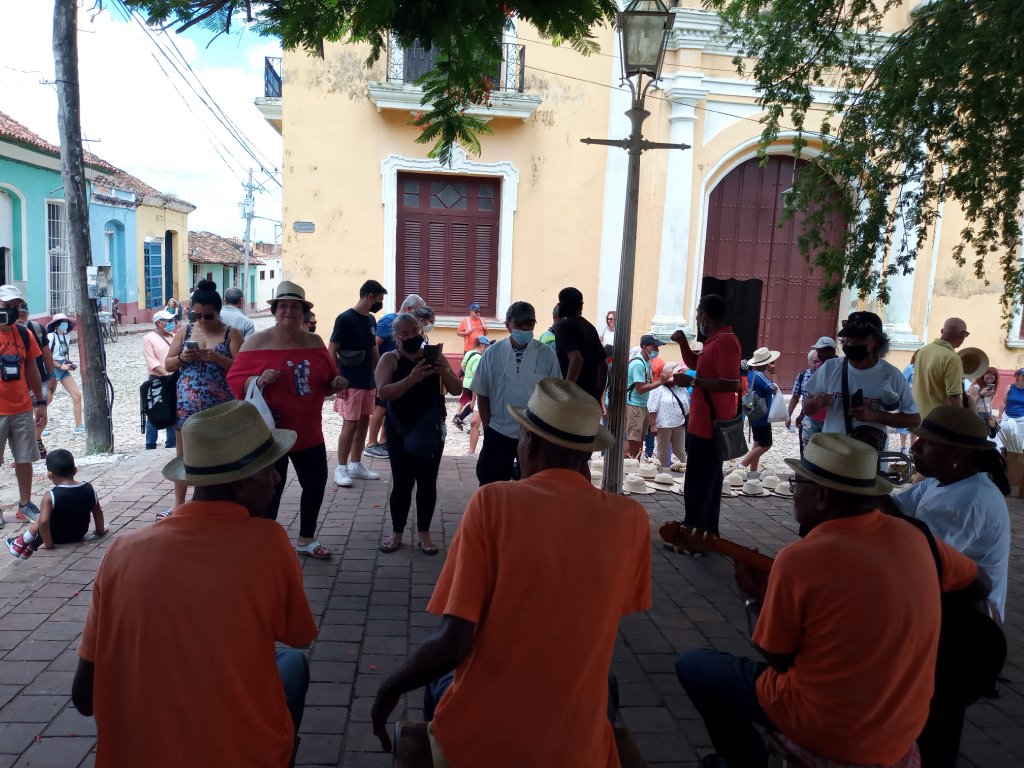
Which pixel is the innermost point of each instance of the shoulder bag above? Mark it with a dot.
(424, 440)
(873, 436)
(727, 434)
(754, 406)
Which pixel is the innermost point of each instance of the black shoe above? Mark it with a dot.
(150, 447)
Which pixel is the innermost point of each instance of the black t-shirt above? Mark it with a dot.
(576, 334)
(354, 332)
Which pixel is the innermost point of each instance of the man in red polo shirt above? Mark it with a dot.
(718, 380)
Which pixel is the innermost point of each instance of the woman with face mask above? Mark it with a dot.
(60, 348)
(414, 392)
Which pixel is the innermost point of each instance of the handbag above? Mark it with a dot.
(873, 436)
(159, 401)
(754, 406)
(352, 358)
(425, 441)
(254, 395)
(778, 411)
(727, 434)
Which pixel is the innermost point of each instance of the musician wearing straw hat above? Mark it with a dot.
(185, 614)
(938, 370)
(537, 578)
(848, 626)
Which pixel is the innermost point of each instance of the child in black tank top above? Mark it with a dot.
(64, 510)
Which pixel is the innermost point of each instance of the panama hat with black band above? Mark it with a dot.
(287, 290)
(842, 463)
(562, 413)
(957, 426)
(227, 443)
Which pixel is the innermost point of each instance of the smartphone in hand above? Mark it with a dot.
(857, 399)
(192, 346)
(432, 353)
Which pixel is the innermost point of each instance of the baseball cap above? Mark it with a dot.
(163, 314)
(9, 293)
(475, 307)
(647, 340)
(483, 340)
(860, 324)
(1018, 372)
(825, 341)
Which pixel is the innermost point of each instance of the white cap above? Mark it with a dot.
(163, 314)
(9, 293)
(825, 341)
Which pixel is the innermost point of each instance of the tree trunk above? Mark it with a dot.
(72, 168)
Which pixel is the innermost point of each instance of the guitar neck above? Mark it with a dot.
(745, 555)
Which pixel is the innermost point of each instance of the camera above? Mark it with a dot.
(8, 316)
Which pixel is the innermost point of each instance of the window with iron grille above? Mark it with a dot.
(196, 276)
(58, 256)
(154, 274)
(448, 241)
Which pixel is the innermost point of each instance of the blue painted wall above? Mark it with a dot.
(120, 222)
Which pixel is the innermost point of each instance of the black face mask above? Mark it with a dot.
(412, 346)
(377, 306)
(855, 353)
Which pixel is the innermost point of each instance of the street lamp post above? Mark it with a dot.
(643, 28)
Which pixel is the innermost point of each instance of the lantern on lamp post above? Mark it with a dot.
(643, 26)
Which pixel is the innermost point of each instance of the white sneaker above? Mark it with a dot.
(358, 471)
(341, 477)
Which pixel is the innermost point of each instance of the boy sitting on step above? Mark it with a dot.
(63, 512)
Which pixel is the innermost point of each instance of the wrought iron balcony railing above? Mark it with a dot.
(408, 64)
(272, 76)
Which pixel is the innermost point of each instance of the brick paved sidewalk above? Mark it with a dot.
(371, 611)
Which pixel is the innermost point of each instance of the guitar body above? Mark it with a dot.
(695, 541)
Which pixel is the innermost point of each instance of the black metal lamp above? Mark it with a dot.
(643, 34)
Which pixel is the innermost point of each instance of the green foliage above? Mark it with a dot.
(466, 33)
(932, 113)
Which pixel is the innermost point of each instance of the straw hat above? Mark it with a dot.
(770, 482)
(630, 465)
(763, 356)
(597, 478)
(286, 289)
(597, 463)
(753, 488)
(226, 443)
(562, 413)
(663, 481)
(974, 361)
(648, 471)
(784, 489)
(634, 484)
(727, 491)
(842, 463)
(61, 317)
(957, 426)
(734, 478)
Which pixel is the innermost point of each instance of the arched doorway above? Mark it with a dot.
(744, 241)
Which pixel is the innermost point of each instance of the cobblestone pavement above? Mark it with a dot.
(371, 611)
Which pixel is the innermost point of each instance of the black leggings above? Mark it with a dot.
(311, 469)
(407, 471)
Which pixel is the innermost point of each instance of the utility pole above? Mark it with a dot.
(99, 437)
(248, 211)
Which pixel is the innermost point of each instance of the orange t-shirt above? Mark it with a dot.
(857, 600)
(544, 567)
(181, 629)
(15, 396)
(476, 328)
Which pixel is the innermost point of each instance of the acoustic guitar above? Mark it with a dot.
(695, 541)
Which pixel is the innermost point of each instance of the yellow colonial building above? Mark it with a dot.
(538, 210)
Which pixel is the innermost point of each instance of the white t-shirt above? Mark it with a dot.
(503, 382)
(971, 516)
(883, 385)
(667, 412)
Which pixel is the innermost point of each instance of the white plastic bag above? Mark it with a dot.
(778, 411)
(255, 396)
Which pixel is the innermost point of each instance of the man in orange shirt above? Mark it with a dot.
(471, 327)
(528, 624)
(177, 656)
(849, 626)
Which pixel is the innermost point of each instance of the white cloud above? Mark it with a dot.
(136, 116)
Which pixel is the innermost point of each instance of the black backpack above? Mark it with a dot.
(159, 401)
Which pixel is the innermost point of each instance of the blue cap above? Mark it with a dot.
(483, 340)
(475, 307)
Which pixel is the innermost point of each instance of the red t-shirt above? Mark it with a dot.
(15, 396)
(297, 398)
(720, 359)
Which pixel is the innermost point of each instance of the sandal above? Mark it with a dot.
(428, 547)
(314, 549)
(389, 546)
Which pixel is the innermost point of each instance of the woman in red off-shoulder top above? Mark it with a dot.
(291, 367)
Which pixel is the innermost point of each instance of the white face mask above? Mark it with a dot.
(428, 327)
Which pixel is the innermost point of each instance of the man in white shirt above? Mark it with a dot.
(668, 406)
(879, 396)
(507, 375)
(232, 314)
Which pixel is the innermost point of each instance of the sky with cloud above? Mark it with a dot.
(141, 115)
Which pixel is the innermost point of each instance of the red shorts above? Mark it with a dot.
(356, 404)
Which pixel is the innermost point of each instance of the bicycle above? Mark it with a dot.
(108, 328)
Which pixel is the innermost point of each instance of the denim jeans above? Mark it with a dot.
(294, 670)
(722, 688)
(702, 486)
(433, 692)
(153, 434)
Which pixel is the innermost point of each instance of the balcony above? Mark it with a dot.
(269, 104)
(405, 65)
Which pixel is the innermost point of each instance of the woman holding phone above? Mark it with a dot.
(202, 352)
(413, 387)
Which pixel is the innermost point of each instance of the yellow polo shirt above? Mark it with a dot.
(938, 374)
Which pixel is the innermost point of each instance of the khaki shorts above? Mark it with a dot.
(20, 431)
(356, 404)
(637, 420)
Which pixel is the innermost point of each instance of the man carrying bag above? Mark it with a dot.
(709, 442)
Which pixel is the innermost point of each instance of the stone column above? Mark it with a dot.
(896, 314)
(684, 91)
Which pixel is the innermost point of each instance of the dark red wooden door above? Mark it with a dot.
(448, 241)
(744, 241)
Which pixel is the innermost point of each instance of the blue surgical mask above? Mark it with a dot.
(521, 337)
(653, 354)
(703, 329)
(170, 327)
(62, 327)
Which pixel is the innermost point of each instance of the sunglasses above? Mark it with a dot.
(195, 316)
